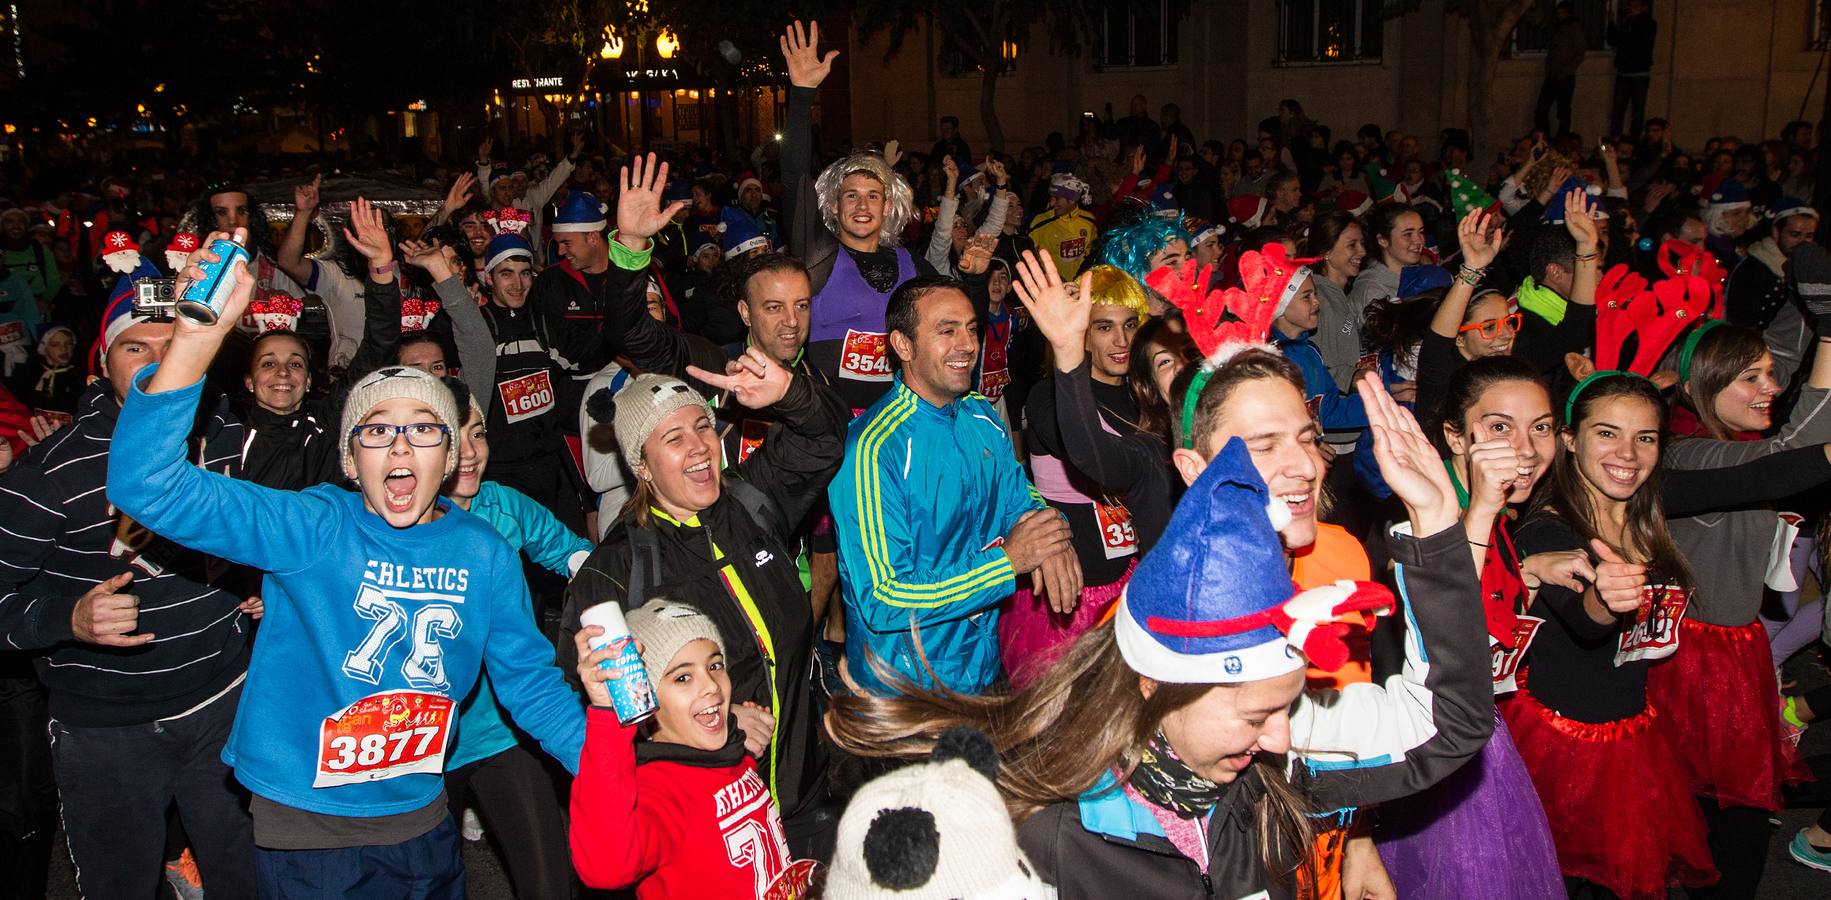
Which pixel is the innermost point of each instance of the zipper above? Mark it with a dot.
(1207, 884)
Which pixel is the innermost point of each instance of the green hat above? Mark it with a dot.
(1465, 195)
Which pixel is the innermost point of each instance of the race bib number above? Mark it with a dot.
(11, 332)
(1074, 248)
(993, 383)
(1369, 362)
(863, 358)
(751, 437)
(1507, 662)
(1116, 535)
(526, 397)
(384, 736)
(1655, 631)
(792, 884)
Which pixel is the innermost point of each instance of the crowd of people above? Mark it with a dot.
(1129, 515)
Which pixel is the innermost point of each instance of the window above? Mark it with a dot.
(1533, 33)
(955, 63)
(1329, 31)
(1821, 24)
(1135, 34)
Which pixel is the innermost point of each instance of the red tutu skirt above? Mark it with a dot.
(1620, 810)
(1031, 635)
(1718, 699)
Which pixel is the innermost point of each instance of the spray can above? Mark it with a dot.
(632, 695)
(204, 299)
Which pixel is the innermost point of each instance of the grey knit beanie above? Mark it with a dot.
(392, 382)
(643, 403)
(664, 627)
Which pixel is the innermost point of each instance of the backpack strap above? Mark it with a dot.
(644, 558)
(762, 510)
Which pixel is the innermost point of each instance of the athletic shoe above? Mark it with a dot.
(473, 826)
(1805, 854)
(182, 875)
(1792, 728)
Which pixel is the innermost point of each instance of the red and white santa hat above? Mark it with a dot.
(1247, 210)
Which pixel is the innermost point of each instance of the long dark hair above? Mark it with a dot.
(1082, 718)
(1566, 495)
(1154, 414)
(1721, 355)
(1465, 387)
(1379, 224)
(1324, 232)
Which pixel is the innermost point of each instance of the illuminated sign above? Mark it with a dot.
(545, 81)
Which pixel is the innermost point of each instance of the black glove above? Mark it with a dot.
(1810, 268)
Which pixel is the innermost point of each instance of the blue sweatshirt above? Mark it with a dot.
(529, 527)
(920, 508)
(1335, 410)
(372, 633)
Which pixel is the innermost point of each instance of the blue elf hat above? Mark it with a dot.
(1415, 280)
(1213, 602)
(1554, 211)
(739, 233)
(504, 247)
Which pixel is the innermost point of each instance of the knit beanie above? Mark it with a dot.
(643, 403)
(663, 627)
(392, 382)
(934, 831)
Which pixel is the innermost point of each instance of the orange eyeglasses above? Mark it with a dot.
(1492, 328)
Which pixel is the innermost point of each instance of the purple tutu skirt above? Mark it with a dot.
(1481, 832)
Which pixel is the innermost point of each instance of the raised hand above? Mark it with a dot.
(640, 214)
(427, 256)
(1580, 221)
(367, 235)
(1618, 582)
(892, 152)
(1060, 311)
(1558, 176)
(754, 380)
(801, 48)
(483, 151)
(996, 170)
(1480, 237)
(1494, 468)
(461, 192)
(1408, 462)
(577, 145)
(977, 255)
(952, 170)
(305, 197)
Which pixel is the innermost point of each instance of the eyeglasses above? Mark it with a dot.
(1491, 328)
(419, 434)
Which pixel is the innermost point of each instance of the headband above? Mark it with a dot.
(1691, 341)
(1570, 403)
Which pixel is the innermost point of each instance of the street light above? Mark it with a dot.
(613, 45)
(666, 43)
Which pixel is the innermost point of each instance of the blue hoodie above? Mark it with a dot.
(357, 610)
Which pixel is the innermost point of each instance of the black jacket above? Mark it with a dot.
(792, 470)
(1439, 582)
(60, 537)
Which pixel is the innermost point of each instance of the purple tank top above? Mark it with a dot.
(850, 312)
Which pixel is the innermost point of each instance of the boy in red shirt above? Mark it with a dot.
(683, 813)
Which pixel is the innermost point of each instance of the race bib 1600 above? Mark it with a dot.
(526, 397)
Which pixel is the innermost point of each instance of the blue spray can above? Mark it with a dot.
(204, 299)
(632, 694)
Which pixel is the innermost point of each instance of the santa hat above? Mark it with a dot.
(738, 233)
(1554, 211)
(509, 220)
(1731, 194)
(504, 247)
(1381, 187)
(1353, 203)
(1213, 602)
(1200, 229)
(1068, 187)
(179, 251)
(1164, 202)
(1788, 207)
(580, 213)
(750, 180)
(935, 830)
(1465, 195)
(120, 252)
(121, 314)
(1247, 210)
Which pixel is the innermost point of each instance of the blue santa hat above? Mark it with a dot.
(1163, 201)
(1554, 211)
(581, 212)
(677, 189)
(738, 233)
(1415, 280)
(1213, 602)
(1730, 194)
(507, 246)
(1788, 207)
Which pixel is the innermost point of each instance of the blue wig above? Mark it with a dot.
(1129, 246)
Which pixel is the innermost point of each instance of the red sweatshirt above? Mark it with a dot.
(680, 822)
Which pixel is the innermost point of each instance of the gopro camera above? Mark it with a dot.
(155, 297)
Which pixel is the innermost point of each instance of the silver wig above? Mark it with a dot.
(898, 209)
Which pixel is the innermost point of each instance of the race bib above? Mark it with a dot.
(1507, 662)
(993, 383)
(863, 358)
(1655, 631)
(384, 736)
(526, 397)
(792, 884)
(1116, 535)
(750, 437)
(1074, 248)
(11, 332)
